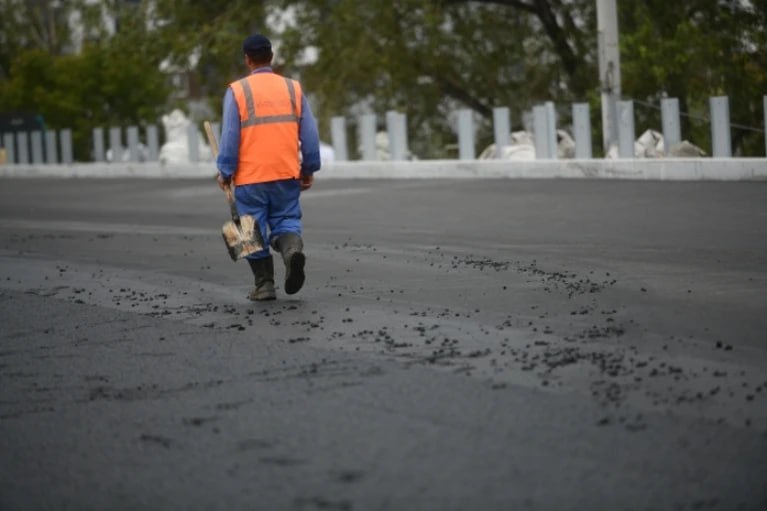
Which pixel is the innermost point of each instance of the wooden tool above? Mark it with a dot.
(241, 234)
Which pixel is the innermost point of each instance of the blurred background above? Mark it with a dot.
(81, 64)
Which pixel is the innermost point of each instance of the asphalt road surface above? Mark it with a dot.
(458, 345)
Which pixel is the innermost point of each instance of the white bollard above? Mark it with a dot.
(626, 129)
(465, 135)
(551, 130)
(152, 143)
(65, 139)
(403, 140)
(36, 138)
(10, 149)
(501, 128)
(51, 153)
(22, 144)
(721, 146)
(338, 136)
(367, 137)
(672, 131)
(193, 139)
(396, 128)
(98, 145)
(765, 125)
(540, 129)
(582, 130)
(115, 144)
(132, 134)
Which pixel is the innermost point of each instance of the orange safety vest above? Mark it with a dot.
(270, 109)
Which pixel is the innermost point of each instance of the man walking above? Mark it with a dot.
(267, 122)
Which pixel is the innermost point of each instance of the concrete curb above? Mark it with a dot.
(111, 170)
(698, 169)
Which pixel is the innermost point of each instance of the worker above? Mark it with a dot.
(270, 150)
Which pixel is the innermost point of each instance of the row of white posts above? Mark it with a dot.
(132, 147)
(544, 129)
(35, 148)
(39, 148)
(46, 150)
(396, 127)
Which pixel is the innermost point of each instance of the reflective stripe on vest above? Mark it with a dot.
(254, 120)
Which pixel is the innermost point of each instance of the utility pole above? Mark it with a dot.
(609, 69)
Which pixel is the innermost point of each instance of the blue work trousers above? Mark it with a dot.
(274, 205)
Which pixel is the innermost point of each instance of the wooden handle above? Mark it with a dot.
(232, 206)
(211, 138)
(214, 149)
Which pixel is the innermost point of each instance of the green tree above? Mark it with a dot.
(33, 24)
(428, 58)
(114, 80)
(422, 57)
(213, 31)
(693, 50)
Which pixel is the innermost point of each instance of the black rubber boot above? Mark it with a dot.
(263, 271)
(291, 246)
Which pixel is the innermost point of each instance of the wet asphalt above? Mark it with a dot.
(492, 344)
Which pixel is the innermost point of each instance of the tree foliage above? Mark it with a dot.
(113, 80)
(426, 58)
(32, 24)
(213, 31)
(694, 50)
(114, 69)
(422, 57)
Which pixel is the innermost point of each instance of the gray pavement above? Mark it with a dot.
(493, 344)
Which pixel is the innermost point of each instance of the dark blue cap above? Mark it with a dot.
(256, 44)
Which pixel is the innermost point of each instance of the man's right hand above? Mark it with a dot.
(223, 183)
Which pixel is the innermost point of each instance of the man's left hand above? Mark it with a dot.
(306, 181)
